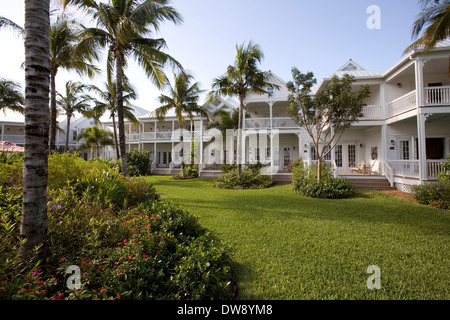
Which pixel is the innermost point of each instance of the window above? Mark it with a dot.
(404, 150)
(74, 135)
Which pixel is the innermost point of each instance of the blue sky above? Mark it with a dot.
(318, 36)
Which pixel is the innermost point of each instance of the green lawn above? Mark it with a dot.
(285, 246)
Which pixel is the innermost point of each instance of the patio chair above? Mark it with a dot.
(360, 168)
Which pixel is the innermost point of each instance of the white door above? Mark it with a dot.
(346, 157)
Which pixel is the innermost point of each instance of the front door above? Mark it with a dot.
(345, 157)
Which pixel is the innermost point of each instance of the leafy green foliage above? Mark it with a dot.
(304, 182)
(138, 162)
(251, 178)
(11, 168)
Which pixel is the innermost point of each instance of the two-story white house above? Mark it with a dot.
(403, 136)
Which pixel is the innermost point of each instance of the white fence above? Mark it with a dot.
(402, 104)
(437, 96)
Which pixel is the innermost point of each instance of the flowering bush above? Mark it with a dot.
(155, 251)
(436, 194)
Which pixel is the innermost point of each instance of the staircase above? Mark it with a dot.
(282, 178)
(165, 172)
(210, 174)
(370, 182)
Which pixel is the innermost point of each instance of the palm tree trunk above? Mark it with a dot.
(239, 138)
(66, 146)
(53, 111)
(183, 169)
(33, 226)
(116, 142)
(119, 97)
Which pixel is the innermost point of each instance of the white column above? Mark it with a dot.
(421, 134)
(420, 100)
(156, 124)
(201, 144)
(3, 132)
(271, 113)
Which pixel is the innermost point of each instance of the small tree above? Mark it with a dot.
(94, 138)
(327, 114)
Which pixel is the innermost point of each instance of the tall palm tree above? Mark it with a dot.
(124, 26)
(6, 23)
(75, 100)
(11, 96)
(107, 103)
(183, 99)
(241, 78)
(94, 138)
(227, 120)
(33, 226)
(67, 53)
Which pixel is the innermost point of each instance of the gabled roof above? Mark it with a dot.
(355, 70)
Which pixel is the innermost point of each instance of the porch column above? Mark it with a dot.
(154, 153)
(3, 132)
(420, 99)
(421, 134)
(271, 113)
(201, 145)
(156, 124)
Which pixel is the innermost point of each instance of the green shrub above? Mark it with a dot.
(304, 182)
(138, 162)
(11, 170)
(251, 178)
(153, 251)
(436, 194)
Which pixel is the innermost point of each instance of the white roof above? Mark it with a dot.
(355, 70)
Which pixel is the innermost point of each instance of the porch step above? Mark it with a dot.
(282, 178)
(210, 174)
(165, 172)
(376, 183)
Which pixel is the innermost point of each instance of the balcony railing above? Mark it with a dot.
(402, 104)
(437, 96)
(372, 112)
(434, 168)
(264, 123)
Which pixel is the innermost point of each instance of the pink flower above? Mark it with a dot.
(43, 292)
(103, 290)
(62, 260)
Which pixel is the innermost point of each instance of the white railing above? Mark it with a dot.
(388, 172)
(372, 112)
(146, 136)
(257, 123)
(405, 168)
(402, 104)
(153, 166)
(437, 96)
(435, 167)
(284, 122)
(164, 135)
(132, 137)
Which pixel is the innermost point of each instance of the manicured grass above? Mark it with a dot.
(285, 246)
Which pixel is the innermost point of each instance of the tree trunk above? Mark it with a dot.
(183, 167)
(66, 146)
(119, 97)
(116, 143)
(53, 110)
(33, 226)
(319, 169)
(239, 138)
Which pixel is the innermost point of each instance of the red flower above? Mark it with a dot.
(62, 260)
(103, 290)
(101, 266)
(39, 283)
(43, 292)
(118, 296)
(58, 297)
(84, 276)
(21, 291)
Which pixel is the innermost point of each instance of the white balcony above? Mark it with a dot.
(403, 104)
(410, 168)
(372, 112)
(264, 123)
(437, 96)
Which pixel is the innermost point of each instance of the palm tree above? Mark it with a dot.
(11, 96)
(227, 120)
(183, 99)
(33, 226)
(6, 23)
(108, 104)
(66, 53)
(433, 22)
(94, 138)
(122, 26)
(241, 78)
(75, 100)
